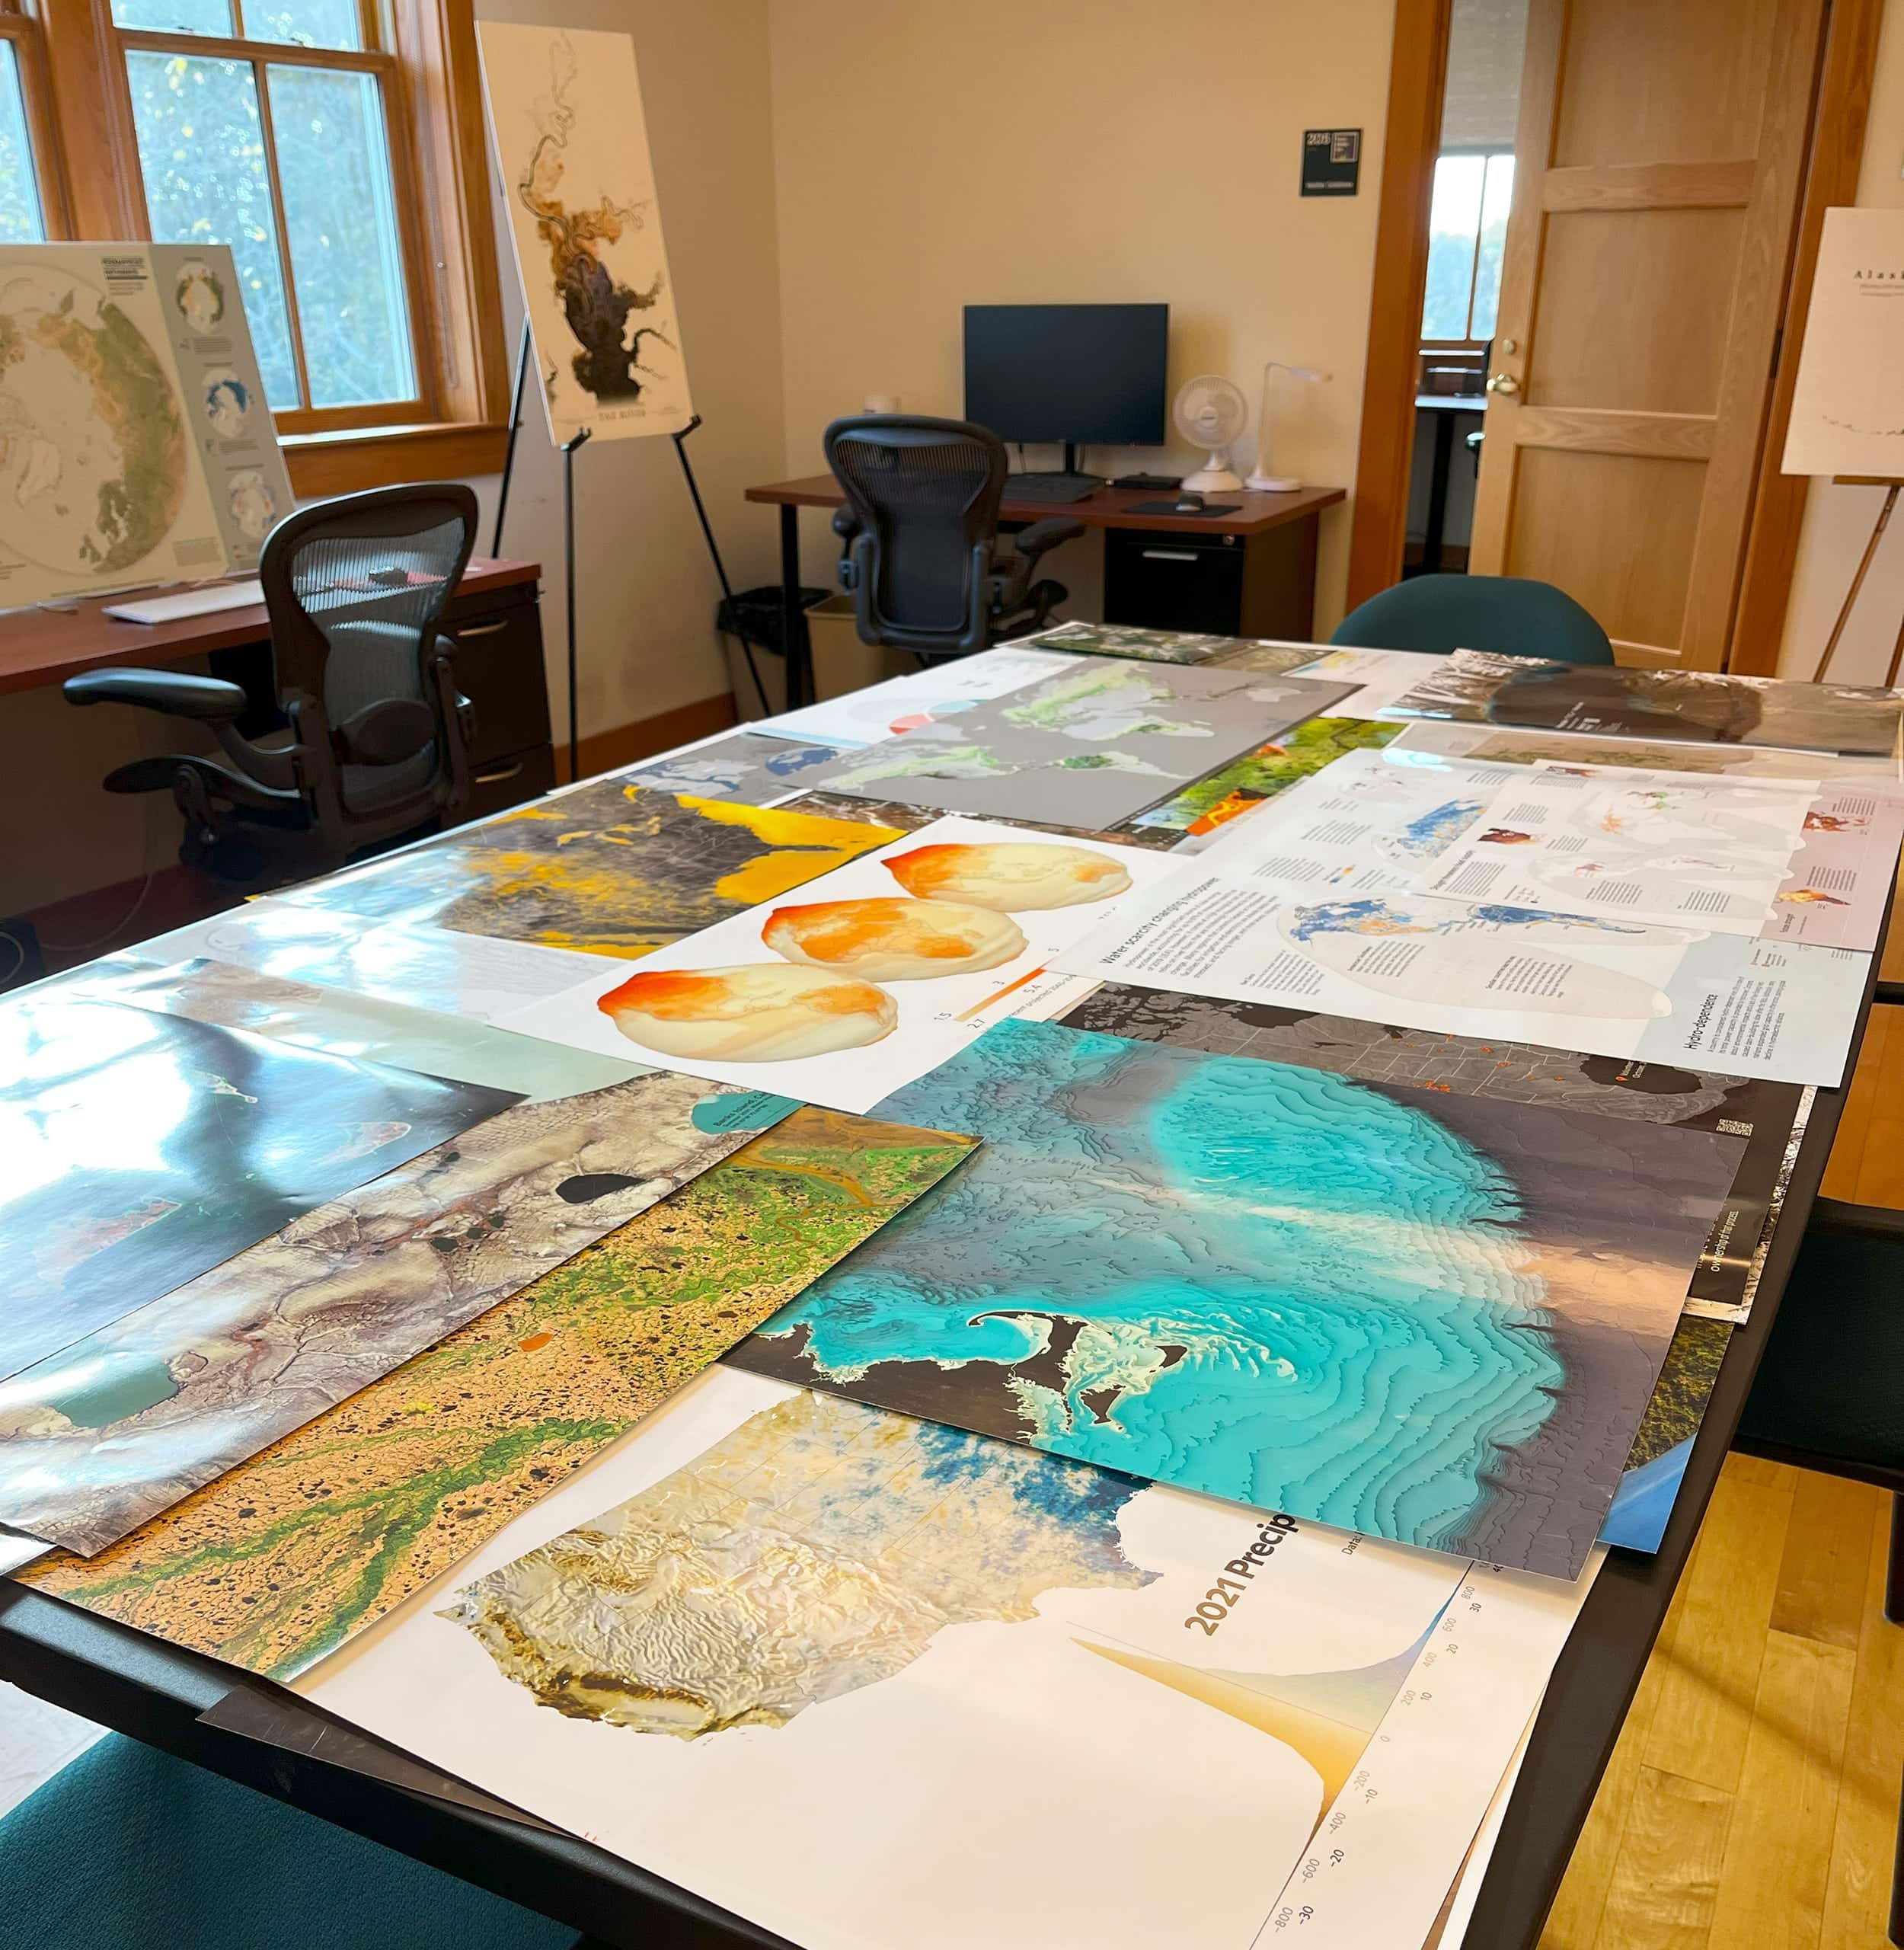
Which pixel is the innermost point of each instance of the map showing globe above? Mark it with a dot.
(93, 457)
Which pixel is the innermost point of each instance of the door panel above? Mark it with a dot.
(1659, 161)
(1672, 82)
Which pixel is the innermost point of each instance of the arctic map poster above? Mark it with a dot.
(887, 967)
(1063, 1708)
(1091, 746)
(1781, 860)
(1425, 1317)
(1681, 996)
(565, 112)
(138, 446)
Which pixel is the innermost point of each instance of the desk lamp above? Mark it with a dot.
(1261, 479)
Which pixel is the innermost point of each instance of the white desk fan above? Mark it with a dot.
(1210, 412)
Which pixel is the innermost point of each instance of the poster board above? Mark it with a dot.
(572, 144)
(136, 445)
(1847, 402)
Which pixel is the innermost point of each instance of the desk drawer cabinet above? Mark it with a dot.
(1261, 585)
(499, 666)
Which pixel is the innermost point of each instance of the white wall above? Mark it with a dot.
(931, 155)
(1838, 520)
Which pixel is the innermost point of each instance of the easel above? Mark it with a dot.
(568, 451)
(1864, 568)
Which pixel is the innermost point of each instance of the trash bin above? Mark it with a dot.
(755, 614)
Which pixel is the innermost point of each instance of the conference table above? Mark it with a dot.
(154, 1692)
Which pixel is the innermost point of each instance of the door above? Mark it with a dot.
(1659, 161)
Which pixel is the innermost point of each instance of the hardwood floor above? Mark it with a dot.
(1752, 1803)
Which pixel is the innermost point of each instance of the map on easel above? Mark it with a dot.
(1848, 402)
(572, 143)
(136, 444)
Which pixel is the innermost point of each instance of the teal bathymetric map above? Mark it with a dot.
(1431, 1318)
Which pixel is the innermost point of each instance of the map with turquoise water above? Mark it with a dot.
(1424, 1317)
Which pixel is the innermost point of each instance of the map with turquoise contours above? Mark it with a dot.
(1434, 1319)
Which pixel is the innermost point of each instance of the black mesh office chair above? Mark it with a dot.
(922, 554)
(378, 733)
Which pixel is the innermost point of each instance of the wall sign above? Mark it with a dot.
(1331, 161)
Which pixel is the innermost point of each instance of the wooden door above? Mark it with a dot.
(1659, 160)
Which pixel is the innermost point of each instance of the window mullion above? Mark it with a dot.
(260, 70)
(1474, 262)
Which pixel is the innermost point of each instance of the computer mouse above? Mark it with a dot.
(1189, 504)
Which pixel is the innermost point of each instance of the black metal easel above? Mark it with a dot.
(729, 607)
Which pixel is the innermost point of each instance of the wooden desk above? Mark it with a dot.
(1270, 593)
(40, 647)
(494, 618)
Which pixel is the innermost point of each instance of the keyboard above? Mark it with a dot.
(205, 602)
(1054, 488)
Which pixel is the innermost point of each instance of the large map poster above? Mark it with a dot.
(572, 143)
(136, 446)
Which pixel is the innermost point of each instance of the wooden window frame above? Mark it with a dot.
(29, 41)
(424, 53)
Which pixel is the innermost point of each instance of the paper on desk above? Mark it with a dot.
(1132, 1706)
(1784, 860)
(1675, 996)
(1506, 744)
(17, 1551)
(1382, 675)
(927, 1016)
(882, 711)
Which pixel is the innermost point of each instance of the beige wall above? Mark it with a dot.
(929, 156)
(1838, 520)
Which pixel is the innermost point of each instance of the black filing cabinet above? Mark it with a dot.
(1261, 585)
(498, 636)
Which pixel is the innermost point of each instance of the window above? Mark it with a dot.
(1467, 231)
(336, 146)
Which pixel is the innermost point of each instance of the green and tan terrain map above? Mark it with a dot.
(281, 1561)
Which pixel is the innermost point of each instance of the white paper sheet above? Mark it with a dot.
(1847, 401)
(1384, 675)
(882, 711)
(1072, 1755)
(1369, 820)
(17, 1550)
(935, 1017)
(1783, 860)
(1605, 987)
(428, 967)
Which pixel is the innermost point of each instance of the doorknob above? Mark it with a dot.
(1503, 382)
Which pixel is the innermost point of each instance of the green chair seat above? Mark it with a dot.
(129, 1848)
(1512, 615)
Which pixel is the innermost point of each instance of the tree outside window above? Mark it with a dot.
(1467, 234)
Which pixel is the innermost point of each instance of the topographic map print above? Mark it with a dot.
(1765, 1114)
(103, 1436)
(611, 869)
(565, 107)
(1091, 747)
(1261, 774)
(280, 1561)
(1432, 1318)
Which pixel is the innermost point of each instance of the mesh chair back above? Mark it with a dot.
(927, 491)
(356, 588)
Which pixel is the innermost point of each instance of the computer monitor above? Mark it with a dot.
(1088, 375)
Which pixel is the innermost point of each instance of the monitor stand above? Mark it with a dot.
(1065, 484)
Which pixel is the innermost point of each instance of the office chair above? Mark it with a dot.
(921, 552)
(1512, 615)
(125, 1845)
(378, 733)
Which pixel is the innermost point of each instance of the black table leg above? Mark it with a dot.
(798, 659)
(1437, 493)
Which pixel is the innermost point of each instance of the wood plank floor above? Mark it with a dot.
(1752, 1803)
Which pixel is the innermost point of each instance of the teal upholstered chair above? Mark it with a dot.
(127, 1846)
(1513, 616)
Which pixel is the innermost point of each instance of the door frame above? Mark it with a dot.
(1417, 75)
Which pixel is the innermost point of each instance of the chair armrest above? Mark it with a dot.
(177, 693)
(1891, 993)
(1046, 534)
(1865, 1222)
(845, 524)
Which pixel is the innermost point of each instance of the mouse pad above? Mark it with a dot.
(1189, 514)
